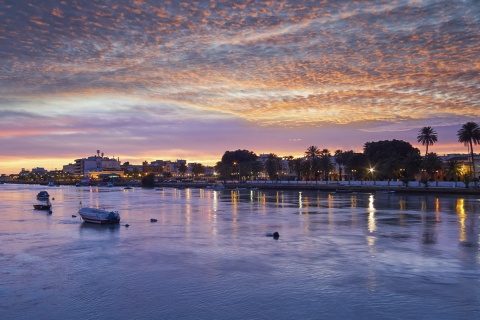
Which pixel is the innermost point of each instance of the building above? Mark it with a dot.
(97, 164)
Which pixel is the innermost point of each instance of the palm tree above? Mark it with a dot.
(469, 134)
(427, 136)
(312, 152)
(452, 169)
(326, 163)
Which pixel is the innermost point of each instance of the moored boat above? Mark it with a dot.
(100, 216)
(43, 206)
(43, 195)
(218, 186)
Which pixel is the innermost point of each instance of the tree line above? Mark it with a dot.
(386, 159)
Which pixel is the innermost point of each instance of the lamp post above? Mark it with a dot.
(373, 175)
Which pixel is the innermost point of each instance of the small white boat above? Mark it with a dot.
(99, 216)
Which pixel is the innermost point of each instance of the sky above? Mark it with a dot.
(143, 80)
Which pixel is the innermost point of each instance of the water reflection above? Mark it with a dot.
(461, 218)
(372, 226)
(376, 253)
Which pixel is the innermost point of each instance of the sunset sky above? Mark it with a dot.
(150, 79)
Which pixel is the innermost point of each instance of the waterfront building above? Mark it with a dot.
(156, 167)
(39, 171)
(94, 165)
(69, 168)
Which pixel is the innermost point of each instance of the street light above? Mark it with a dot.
(373, 176)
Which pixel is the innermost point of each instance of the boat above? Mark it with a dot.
(218, 186)
(51, 184)
(128, 187)
(43, 206)
(43, 195)
(100, 216)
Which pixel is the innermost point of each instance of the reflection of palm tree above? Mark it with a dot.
(469, 134)
(427, 136)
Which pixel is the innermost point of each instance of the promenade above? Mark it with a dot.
(341, 186)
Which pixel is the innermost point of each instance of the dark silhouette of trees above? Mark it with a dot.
(386, 156)
(239, 164)
(326, 163)
(197, 169)
(273, 165)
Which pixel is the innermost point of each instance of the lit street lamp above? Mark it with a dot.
(373, 175)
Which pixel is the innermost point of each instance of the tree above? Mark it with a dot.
(198, 169)
(239, 156)
(273, 165)
(251, 169)
(452, 169)
(149, 180)
(326, 163)
(382, 155)
(427, 136)
(182, 169)
(432, 164)
(340, 159)
(312, 152)
(237, 162)
(469, 134)
(224, 171)
(412, 164)
(297, 167)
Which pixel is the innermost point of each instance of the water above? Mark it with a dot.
(339, 256)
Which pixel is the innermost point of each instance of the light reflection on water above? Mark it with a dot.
(339, 256)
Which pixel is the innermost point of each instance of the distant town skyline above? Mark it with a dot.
(144, 80)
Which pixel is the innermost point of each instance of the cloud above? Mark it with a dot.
(149, 68)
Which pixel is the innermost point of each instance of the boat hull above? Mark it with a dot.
(99, 216)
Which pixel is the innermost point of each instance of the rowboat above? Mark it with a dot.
(44, 206)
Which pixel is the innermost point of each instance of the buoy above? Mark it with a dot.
(153, 220)
(53, 198)
(50, 211)
(275, 235)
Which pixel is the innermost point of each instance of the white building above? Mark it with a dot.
(96, 163)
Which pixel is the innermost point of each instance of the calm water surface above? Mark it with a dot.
(339, 256)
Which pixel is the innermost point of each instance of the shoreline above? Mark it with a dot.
(329, 188)
(332, 187)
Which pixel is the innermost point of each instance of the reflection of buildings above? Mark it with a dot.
(460, 206)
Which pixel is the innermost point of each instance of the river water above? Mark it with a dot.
(339, 256)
